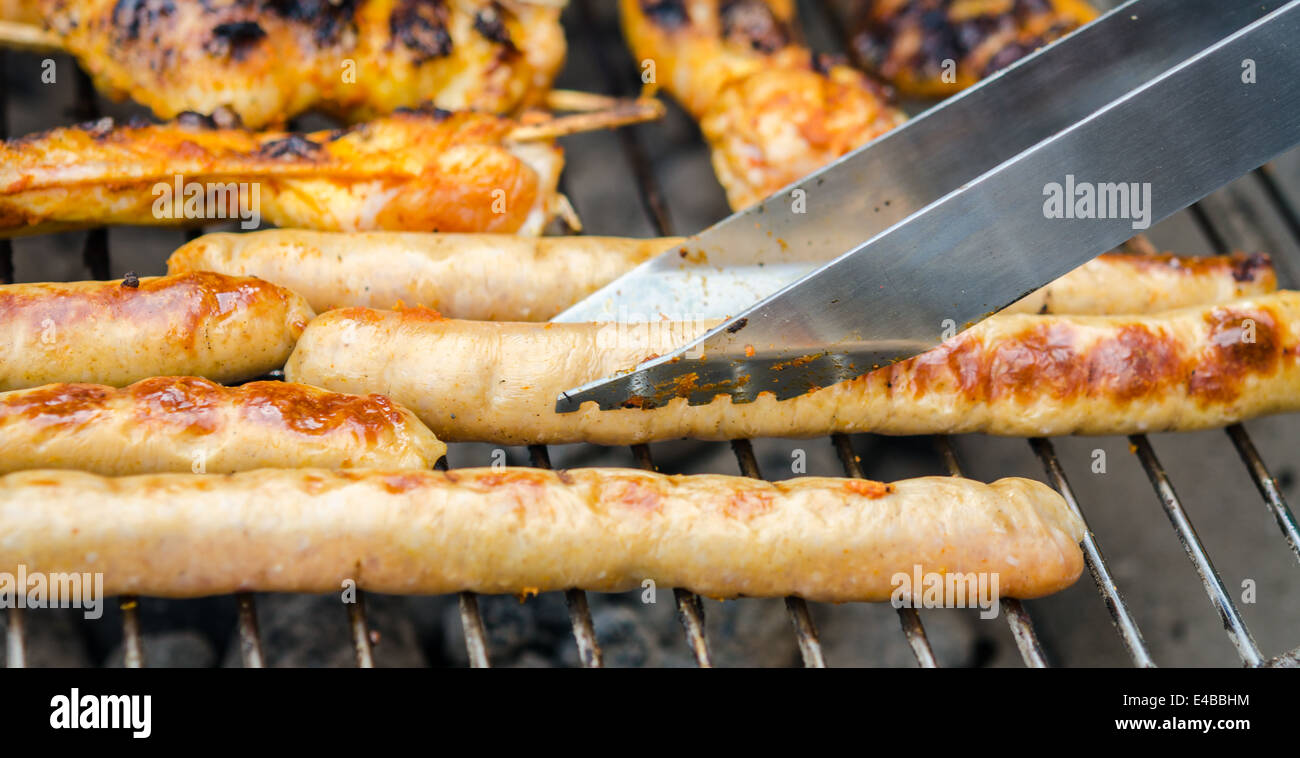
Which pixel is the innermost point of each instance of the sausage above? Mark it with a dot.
(496, 277)
(455, 172)
(501, 530)
(224, 328)
(488, 277)
(179, 424)
(1016, 374)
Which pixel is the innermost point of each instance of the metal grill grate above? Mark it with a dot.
(690, 609)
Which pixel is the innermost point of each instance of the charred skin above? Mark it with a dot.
(906, 42)
(227, 329)
(187, 424)
(771, 111)
(1015, 375)
(268, 60)
(503, 530)
(423, 170)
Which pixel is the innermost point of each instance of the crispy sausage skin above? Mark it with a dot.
(268, 60)
(771, 111)
(425, 170)
(187, 424)
(224, 328)
(496, 277)
(485, 277)
(1017, 374)
(494, 530)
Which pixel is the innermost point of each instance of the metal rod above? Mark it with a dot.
(1284, 207)
(1218, 594)
(1022, 627)
(810, 647)
(250, 642)
(360, 632)
(471, 621)
(132, 646)
(1120, 615)
(690, 610)
(15, 640)
(908, 618)
(1267, 486)
(584, 633)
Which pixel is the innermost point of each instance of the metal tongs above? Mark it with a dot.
(967, 207)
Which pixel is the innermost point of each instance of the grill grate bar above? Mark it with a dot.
(1022, 627)
(360, 632)
(810, 647)
(250, 643)
(1120, 615)
(1232, 622)
(471, 620)
(584, 633)
(1267, 486)
(690, 611)
(908, 618)
(475, 636)
(132, 644)
(15, 640)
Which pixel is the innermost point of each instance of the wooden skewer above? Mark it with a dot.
(29, 37)
(624, 112)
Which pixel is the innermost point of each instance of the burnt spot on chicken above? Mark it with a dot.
(130, 17)
(234, 40)
(289, 147)
(328, 20)
(489, 23)
(425, 109)
(666, 14)
(421, 27)
(752, 22)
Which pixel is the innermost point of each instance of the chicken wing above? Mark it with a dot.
(268, 60)
(771, 110)
(422, 170)
(934, 48)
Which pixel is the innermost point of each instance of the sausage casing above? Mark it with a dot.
(187, 424)
(499, 277)
(525, 530)
(485, 277)
(223, 328)
(1017, 374)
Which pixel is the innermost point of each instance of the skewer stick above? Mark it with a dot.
(624, 112)
(29, 37)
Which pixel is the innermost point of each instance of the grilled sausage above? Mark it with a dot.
(1015, 374)
(455, 172)
(224, 328)
(178, 424)
(526, 530)
(495, 277)
(488, 277)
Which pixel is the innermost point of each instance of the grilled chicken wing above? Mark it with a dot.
(771, 110)
(270, 59)
(933, 48)
(20, 11)
(425, 170)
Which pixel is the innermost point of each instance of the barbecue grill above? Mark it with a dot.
(1260, 211)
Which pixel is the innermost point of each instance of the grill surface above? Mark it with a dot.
(1257, 212)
